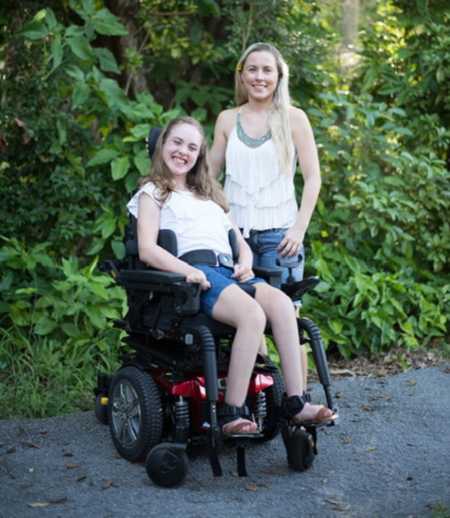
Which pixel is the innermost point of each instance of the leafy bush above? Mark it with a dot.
(75, 108)
(56, 329)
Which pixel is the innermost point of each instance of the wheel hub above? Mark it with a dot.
(126, 413)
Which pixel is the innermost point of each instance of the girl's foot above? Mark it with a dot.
(238, 426)
(236, 421)
(314, 415)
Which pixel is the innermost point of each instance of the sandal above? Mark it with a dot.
(292, 406)
(228, 415)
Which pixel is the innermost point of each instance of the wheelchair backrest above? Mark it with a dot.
(166, 239)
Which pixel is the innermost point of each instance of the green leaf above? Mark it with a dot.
(107, 60)
(44, 326)
(50, 19)
(142, 162)
(140, 131)
(109, 312)
(95, 247)
(336, 326)
(108, 226)
(99, 290)
(112, 93)
(119, 167)
(70, 329)
(118, 248)
(45, 260)
(62, 132)
(56, 51)
(80, 94)
(95, 316)
(106, 23)
(6, 281)
(103, 156)
(89, 7)
(75, 73)
(200, 114)
(208, 7)
(36, 29)
(81, 47)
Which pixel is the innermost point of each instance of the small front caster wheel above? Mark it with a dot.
(300, 447)
(167, 464)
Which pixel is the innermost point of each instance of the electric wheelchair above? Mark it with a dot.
(169, 391)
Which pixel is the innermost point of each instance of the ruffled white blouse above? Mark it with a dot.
(260, 196)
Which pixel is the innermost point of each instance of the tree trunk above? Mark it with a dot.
(126, 10)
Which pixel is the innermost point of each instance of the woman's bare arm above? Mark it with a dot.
(221, 131)
(306, 148)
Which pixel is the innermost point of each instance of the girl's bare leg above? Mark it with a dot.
(263, 347)
(237, 309)
(281, 314)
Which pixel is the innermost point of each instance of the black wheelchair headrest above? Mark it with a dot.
(152, 138)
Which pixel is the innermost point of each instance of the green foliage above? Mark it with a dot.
(56, 329)
(75, 141)
(380, 239)
(60, 301)
(80, 87)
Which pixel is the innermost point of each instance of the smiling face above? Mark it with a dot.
(181, 149)
(260, 75)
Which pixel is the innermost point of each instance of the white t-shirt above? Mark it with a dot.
(198, 224)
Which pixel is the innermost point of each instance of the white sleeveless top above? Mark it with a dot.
(260, 196)
(197, 223)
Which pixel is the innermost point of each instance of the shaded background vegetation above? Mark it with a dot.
(82, 81)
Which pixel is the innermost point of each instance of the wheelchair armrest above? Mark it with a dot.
(296, 290)
(183, 297)
(271, 275)
(144, 277)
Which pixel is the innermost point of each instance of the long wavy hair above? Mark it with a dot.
(279, 123)
(199, 179)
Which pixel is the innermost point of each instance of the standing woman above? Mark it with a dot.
(260, 142)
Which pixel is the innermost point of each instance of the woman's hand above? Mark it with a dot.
(291, 243)
(197, 276)
(243, 272)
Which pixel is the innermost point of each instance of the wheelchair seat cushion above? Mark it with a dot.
(220, 277)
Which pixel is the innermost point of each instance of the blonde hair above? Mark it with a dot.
(279, 123)
(199, 179)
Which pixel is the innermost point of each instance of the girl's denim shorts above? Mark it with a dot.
(219, 278)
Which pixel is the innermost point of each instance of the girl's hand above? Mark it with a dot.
(242, 272)
(291, 243)
(198, 277)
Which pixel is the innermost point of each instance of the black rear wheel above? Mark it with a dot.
(134, 413)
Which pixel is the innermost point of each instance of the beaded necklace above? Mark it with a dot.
(246, 139)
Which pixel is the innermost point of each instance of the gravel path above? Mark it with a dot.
(388, 456)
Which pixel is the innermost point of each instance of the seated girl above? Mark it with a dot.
(181, 195)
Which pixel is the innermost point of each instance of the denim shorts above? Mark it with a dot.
(264, 246)
(219, 278)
